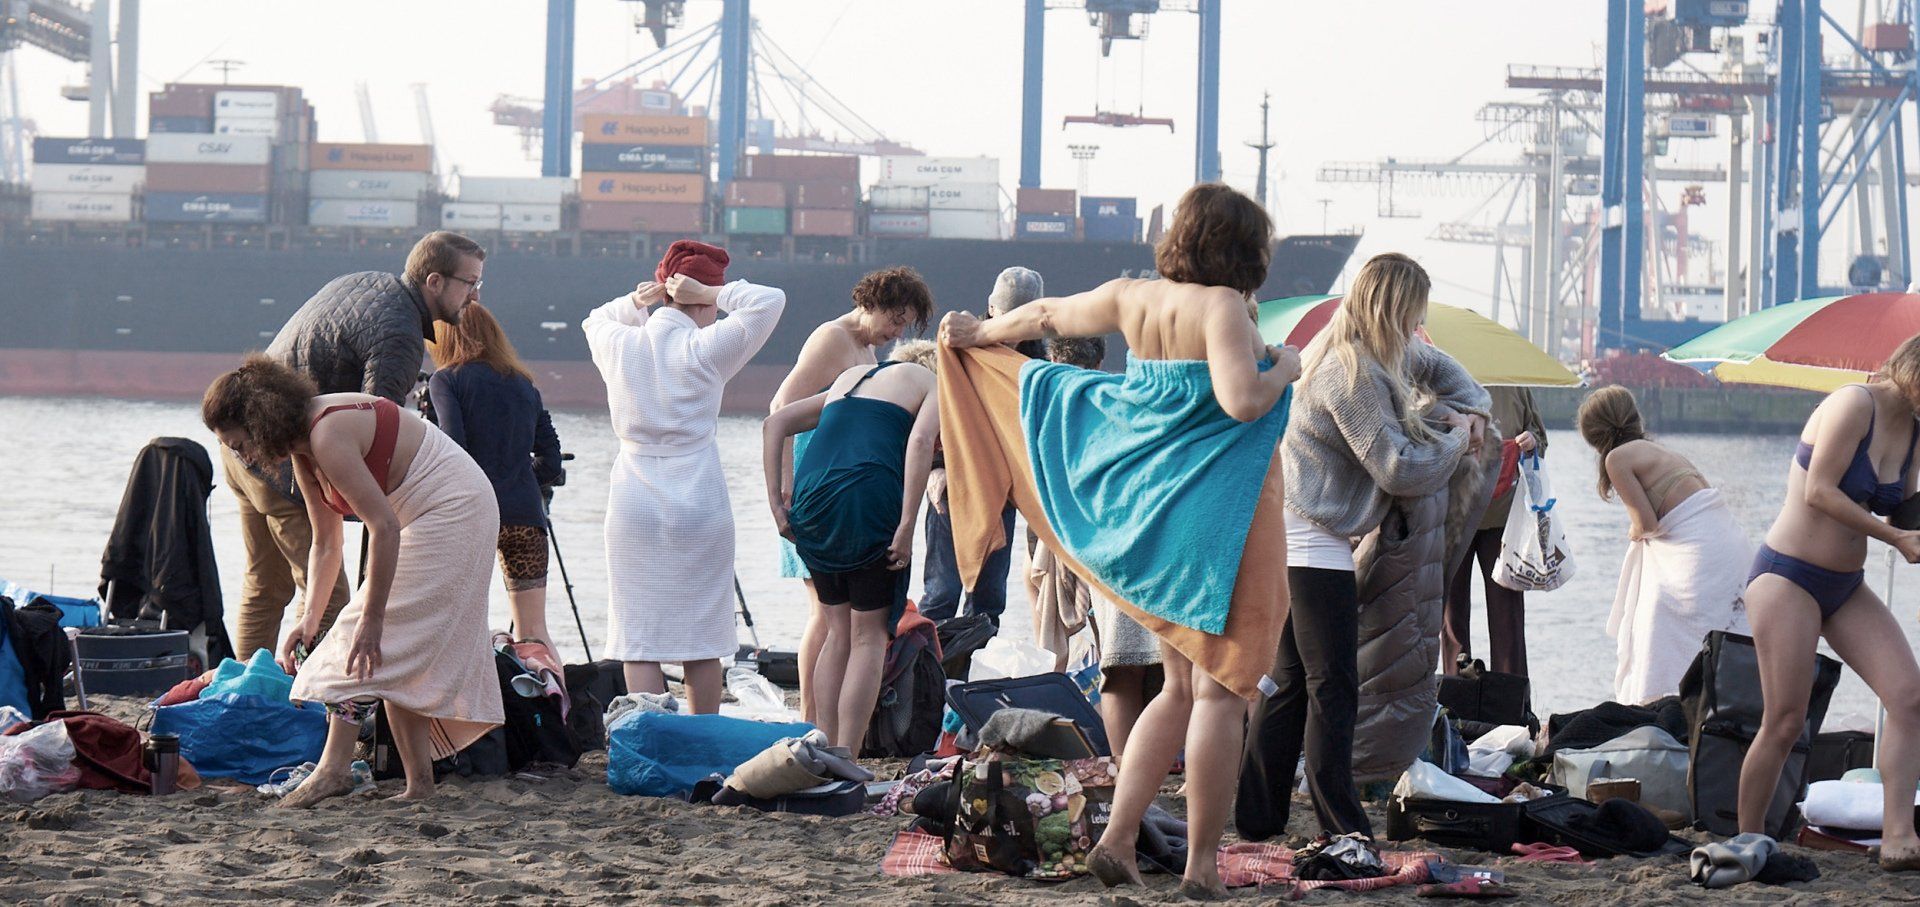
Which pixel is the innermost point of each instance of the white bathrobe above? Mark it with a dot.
(669, 528)
(1675, 588)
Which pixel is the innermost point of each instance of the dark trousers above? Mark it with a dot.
(1318, 697)
(1506, 612)
(940, 578)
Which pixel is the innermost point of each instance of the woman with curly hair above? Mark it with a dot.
(415, 635)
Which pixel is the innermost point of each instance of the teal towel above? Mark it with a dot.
(1147, 481)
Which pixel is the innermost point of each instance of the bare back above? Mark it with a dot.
(355, 429)
(1162, 319)
(906, 385)
(1663, 478)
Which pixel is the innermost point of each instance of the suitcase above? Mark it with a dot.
(131, 661)
(1492, 827)
(1054, 692)
(834, 798)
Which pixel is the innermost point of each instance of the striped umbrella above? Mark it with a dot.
(1492, 354)
(1815, 344)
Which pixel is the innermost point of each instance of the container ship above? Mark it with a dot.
(144, 267)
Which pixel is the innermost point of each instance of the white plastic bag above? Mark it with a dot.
(1425, 781)
(756, 698)
(1533, 551)
(1003, 657)
(37, 763)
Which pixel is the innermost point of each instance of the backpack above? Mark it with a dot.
(534, 731)
(1721, 694)
(913, 694)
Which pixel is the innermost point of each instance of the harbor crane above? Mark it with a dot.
(83, 35)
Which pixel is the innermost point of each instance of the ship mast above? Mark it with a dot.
(1263, 146)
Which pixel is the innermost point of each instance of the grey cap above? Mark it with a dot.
(1014, 288)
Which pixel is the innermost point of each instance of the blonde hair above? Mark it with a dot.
(1376, 320)
(1608, 418)
(924, 353)
(477, 338)
(1902, 369)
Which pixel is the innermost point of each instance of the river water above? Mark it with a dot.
(64, 465)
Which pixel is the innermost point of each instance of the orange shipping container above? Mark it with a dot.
(1045, 201)
(678, 188)
(337, 156)
(235, 178)
(646, 130)
(820, 222)
(642, 217)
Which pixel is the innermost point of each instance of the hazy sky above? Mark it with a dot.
(1351, 80)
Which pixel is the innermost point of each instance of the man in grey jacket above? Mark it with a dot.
(363, 332)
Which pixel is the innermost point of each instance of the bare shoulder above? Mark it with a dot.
(830, 337)
(1633, 455)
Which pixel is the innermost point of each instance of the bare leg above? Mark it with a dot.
(811, 642)
(1216, 734)
(703, 682)
(860, 689)
(332, 775)
(529, 610)
(410, 737)
(644, 677)
(1122, 696)
(1150, 753)
(1866, 635)
(1786, 629)
(830, 671)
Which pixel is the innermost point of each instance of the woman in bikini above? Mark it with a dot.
(1686, 566)
(1854, 466)
(415, 634)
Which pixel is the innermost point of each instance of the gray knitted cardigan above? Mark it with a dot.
(1345, 455)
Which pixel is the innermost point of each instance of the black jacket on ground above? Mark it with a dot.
(41, 645)
(159, 559)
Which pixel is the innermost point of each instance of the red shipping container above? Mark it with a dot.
(181, 101)
(1045, 201)
(756, 194)
(236, 179)
(839, 168)
(759, 167)
(642, 217)
(822, 222)
(837, 196)
(1887, 36)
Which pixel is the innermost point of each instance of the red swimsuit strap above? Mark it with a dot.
(386, 435)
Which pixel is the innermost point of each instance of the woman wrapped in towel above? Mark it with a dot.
(415, 635)
(1686, 565)
(1151, 485)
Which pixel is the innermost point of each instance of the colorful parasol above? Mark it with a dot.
(1492, 354)
(1814, 344)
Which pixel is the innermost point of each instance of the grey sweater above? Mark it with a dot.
(1345, 455)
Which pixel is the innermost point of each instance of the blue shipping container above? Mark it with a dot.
(1111, 229)
(89, 151)
(1109, 206)
(643, 158)
(1043, 226)
(205, 207)
(200, 125)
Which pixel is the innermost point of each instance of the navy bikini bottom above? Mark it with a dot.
(1830, 588)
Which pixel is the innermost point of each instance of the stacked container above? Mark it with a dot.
(1110, 219)
(86, 179)
(200, 181)
(1045, 214)
(512, 204)
(643, 174)
(962, 196)
(205, 178)
(817, 195)
(368, 186)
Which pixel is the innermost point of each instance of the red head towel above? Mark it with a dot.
(697, 260)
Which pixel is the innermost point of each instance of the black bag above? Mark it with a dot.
(960, 637)
(586, 713)
(1836, 753)
(906, 717)
(782, 669)
(1721, 694)
(1477, 694)
(535, 729)
(483, 758)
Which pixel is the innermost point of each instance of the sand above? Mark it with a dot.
(563, 838)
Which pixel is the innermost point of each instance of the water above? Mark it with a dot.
(65, 464)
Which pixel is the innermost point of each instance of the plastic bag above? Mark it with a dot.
(1425, 781)
(37, 763)
(757, 698)
(1003, 657)
(244, 737)
(10, 716)
(1533, 550)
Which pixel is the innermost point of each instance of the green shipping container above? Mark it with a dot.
(771, 221)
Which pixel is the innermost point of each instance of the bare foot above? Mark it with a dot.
(316, 788)
(1196, 891)
(1111, 870)
(1901, 856)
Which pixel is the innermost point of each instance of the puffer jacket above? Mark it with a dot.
(363, 332)
(1401, 572)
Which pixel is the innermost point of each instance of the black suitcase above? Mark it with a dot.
(1054, 692)
(1721, 694)
(1492, 827)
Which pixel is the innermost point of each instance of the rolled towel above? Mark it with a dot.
(776, 771)
(1738, 859)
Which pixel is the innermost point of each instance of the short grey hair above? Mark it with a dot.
(1014, 288)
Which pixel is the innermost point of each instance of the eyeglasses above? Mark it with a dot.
(472, 285)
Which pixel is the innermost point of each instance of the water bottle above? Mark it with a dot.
(163, 750)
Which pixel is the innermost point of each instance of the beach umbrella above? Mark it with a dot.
(1492, 354)
(1814, 344)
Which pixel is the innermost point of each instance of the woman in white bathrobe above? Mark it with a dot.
(1687, 557)
(669, 527)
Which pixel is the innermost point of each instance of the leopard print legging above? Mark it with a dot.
(523, 557)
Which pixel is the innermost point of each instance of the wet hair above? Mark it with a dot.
(924, 353)
(440, 252)
(477, 338)
(1085, 352)
(1218, 237)
(1903, 369)
(1608, 418)
(1376, 320)
(897, 289)
(265, 399)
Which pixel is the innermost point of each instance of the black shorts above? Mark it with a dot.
(869, 588)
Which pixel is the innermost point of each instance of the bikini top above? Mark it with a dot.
(379, 460)
(1657, 492)
(1860, 483)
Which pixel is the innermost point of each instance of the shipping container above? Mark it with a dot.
(116, 152)
(181, 102)
(351, 212)
(185, 148)
(796, 168)
(515, 190)
(470, 216)
(387, 185)
(1044, 226)
(1094, 206)
(1044, 201)
(823, 222)
(191, 125)
(897, 223)
(818, 194)
(87, 178)
(678, 188)
(525, 218)
(963, 224)
(256, 105)
(650, 130)
(219, 178)
(756, 194)
(632, 158)
(205, 207)
(917, 170)
(964, 197)
(757, 221)
(270, 130)
(642, 217)
(897, 198)
(337, 156)
(114, 208)
(1110, 229)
